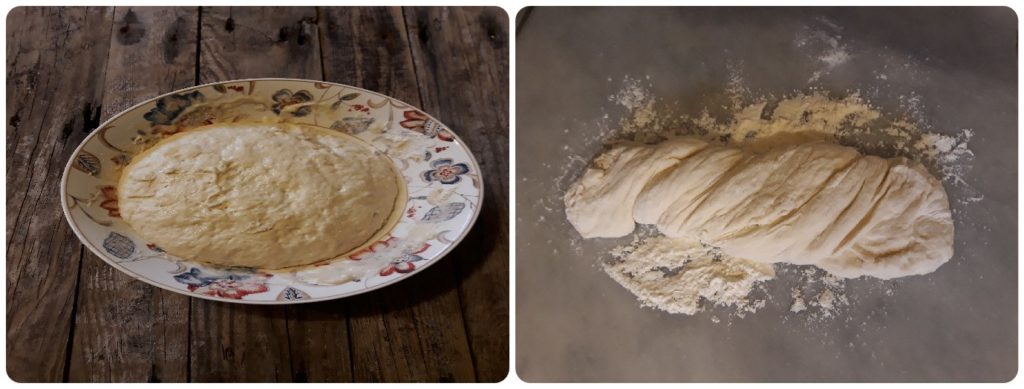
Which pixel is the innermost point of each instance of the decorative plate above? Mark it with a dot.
(442, 180)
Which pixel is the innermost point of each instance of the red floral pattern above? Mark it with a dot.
(402, 265)
(372, 248)
(359, 108)
(231, 289)
(109, 203)
(419, 122)
(398, 267)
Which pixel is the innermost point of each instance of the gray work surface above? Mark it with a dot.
(574, 323)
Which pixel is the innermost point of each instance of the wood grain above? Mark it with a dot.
(465, 49)
(411, 331)
(318, 335)
(71, 317)
(55, 63)
(259, 42)
(368, 48)
(239, 343)
(247, 343)
(126, 330)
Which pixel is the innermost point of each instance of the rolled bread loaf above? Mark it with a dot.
(815, 203)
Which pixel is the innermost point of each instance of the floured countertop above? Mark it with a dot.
(642, 74)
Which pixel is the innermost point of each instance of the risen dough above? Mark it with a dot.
(815, 203)
(258, 194)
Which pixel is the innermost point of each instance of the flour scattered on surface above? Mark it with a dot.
(912, 106)
(818, 295)
(952, 154)
(633, 95)
(945, 148)
(637, 99)
(734, 87)
(798, 302)
(828, 49)
(684, 276)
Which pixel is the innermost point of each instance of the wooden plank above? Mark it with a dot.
(246, 42)
(368, 48)
(239, 343)
(55, 63)
(127, 330)
(413, 330)
(45, 123)
(231, 342)
(318, 335)
(465, 49)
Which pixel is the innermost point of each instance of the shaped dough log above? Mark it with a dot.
(815, 203)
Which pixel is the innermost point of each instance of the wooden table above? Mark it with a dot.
(71, 317)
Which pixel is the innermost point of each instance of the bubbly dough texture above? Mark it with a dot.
(258, 195)
(815, 203)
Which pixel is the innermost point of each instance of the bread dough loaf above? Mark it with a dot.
(816, 203)
(263, 195)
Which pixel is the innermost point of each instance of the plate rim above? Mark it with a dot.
(440, 256)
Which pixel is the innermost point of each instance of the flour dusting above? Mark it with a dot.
(635, 96)
(829, 50)
(686, 276)
(798, 304)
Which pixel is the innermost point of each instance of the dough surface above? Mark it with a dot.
(263, 195)
(815, 204)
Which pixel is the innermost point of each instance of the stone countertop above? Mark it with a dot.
(957, 68)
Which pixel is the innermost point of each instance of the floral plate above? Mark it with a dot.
(442, 180)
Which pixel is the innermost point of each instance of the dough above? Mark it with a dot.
(814, 204)
(263, 195)
(597, 204)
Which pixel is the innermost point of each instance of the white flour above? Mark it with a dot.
(682, 276)
(798, 301)
(818, 295)
(635, 97)
(829, 50)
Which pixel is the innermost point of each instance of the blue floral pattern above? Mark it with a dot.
(168, 108)
(445, 171)
(88, 163)
(119, 245)
(292, 294)
(284, 97)
(443, 212)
